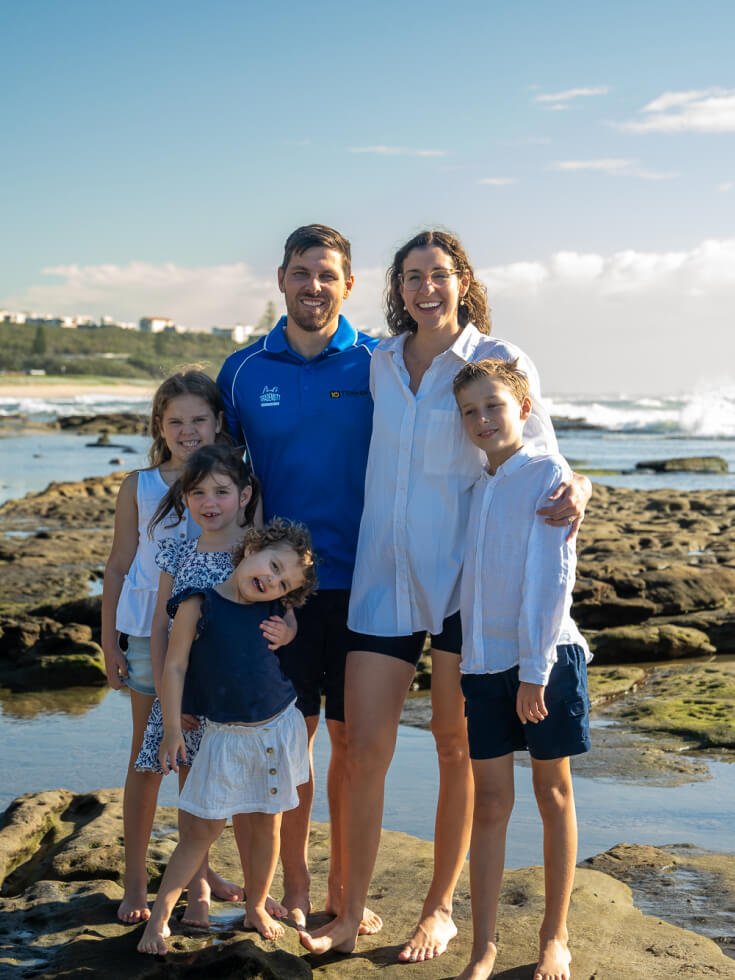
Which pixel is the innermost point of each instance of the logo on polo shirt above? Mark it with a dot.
(270, 397)
(347, 393)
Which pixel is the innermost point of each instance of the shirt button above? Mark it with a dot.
(274, 791)
(269, 750)
(272, 772)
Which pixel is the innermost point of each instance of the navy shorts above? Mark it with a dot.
(494, 728)
(408, 648)
(314, 661)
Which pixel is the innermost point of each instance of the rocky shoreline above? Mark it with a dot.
(61, 863)
(656, 577)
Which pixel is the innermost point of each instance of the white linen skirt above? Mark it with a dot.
(248, 768)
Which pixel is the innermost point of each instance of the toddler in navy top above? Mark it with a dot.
(254, 752)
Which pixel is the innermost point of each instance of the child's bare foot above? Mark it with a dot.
(369, 924)
(554, 962)
(223, 888)
(133, 909)
(274, 908)
(430, 938)
(338, 936)
(297, 904)
(258, 918)
(198, 896)
(154, 938)
(480, 966)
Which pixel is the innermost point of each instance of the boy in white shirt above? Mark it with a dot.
(524, 662)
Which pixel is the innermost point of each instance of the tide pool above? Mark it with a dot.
(46, 745)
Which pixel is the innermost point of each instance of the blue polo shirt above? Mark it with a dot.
(306, 425)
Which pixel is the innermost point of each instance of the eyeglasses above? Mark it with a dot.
(439, 277)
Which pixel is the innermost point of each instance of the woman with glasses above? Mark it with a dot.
(409, 557)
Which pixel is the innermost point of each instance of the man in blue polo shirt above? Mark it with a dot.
(299, 399)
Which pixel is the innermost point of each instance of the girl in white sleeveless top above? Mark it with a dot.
(186, 415)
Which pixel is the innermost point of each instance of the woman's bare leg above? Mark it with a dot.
(375, 689)
(453, 824)
(139, 810)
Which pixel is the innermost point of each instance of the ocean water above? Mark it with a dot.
(629, 430)
(80, 740)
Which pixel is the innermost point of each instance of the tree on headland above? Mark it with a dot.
(39, 345)
(268, 319)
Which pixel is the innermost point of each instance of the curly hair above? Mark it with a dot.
(190, 380)
(473, 307)
(280, 533)
(220, 460)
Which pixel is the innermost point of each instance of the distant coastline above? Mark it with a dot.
(29, 386)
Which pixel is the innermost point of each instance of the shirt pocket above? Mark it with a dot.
(443, 442)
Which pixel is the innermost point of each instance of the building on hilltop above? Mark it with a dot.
(239, 334)
(156, 324)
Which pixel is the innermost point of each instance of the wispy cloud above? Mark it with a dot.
(498, 181)
(612, 167)
(726, 186)
(710, 110)
(559, 101)
(397, 151)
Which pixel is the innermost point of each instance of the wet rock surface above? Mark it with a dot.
(62, 855)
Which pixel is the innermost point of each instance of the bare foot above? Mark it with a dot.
(275, 908)
(297, 905)
(198, 895)
(369, 924)
(338, 936)
(222, 888)
(430, 937)
(133, 910)
(480, 966)
(258, 918)
(153, 940)
(554, 962)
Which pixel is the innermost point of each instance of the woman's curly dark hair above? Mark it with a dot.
(473, 307)
(280, 533)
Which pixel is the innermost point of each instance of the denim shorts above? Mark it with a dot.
(494, 729)
(140, 666)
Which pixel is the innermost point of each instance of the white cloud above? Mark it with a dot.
(630, 320)
(498, 181)
(559, 101)
(194, 296)
(397, 151)
(726, 186)
(710, 110)
(613, 167)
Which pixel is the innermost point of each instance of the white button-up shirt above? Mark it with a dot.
(420, 469)
(518, 574)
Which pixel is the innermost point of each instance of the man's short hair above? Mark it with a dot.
(317, 236)
(506, 372)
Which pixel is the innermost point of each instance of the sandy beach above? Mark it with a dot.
(13, 386)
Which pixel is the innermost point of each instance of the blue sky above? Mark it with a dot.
(157, 155)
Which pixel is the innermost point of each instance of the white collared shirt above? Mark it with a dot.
(519, 572)
(420, 469)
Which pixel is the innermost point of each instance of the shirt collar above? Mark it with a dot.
(468, 339)
(344, 337)
(509, 467)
